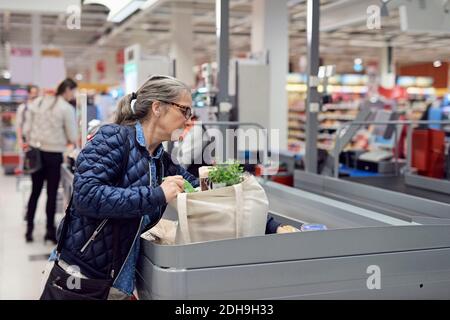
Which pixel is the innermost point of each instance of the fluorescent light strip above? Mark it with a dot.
(148, 4)
(126, 11)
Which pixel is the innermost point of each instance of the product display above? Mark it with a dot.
(11, 97)
(346, 97)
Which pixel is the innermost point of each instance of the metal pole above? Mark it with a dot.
(336, 155)
(396, 146)
(409, 148)
(313, 98)
(223, 39)
(174, 68)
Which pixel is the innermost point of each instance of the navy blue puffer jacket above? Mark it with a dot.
(112, 188)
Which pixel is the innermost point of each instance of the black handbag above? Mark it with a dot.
(62, 285)
(33, 160)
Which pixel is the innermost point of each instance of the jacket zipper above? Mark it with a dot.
(129, 251)
(139, 229)
(96, 232)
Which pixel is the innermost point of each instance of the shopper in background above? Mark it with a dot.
(91, 109)
(50, 126)
(33, 93)
(118, 189)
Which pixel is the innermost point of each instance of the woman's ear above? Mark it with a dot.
(156, 108)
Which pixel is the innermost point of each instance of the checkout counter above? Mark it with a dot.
(413, 258)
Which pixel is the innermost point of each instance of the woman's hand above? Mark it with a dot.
(172, 186)
(286, 229)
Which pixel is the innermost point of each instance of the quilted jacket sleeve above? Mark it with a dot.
(178, 170)
(98, 168)
(186, 175)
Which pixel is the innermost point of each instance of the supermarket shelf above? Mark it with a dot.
(301, 88)
(352, 106)
(9, 153)
(332, 116)
(325, 117)
(329, 128)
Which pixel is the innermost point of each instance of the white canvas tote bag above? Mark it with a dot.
(224, 213)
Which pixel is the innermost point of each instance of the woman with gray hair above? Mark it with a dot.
(119, 192)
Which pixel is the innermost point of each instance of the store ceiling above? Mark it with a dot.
(338, 46)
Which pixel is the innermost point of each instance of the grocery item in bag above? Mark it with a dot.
(203, 176)
(313, 227)
(164, 232)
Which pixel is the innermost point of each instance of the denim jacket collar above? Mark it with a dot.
(141, 140)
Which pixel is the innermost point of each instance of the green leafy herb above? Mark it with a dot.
(229, 173)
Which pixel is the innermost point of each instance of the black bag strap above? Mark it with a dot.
(115, 265)
(63, 233)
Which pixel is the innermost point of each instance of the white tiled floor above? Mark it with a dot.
(20, 278)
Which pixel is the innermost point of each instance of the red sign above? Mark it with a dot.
(395, 93)
(100, 66)
(120, 56)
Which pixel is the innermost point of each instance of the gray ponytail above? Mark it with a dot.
(156, 88)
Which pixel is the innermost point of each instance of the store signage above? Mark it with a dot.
(51, 53)
(130, 68)
(425, 16)
(28, 6)
(120, 57)
(421, 82)
(21, 52)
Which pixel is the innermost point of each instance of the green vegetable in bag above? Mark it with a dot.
(188, 188)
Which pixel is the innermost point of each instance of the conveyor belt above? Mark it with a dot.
(397, 183)
(384, 195)
(314, 208)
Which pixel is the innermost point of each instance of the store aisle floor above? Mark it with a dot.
(21, 264)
